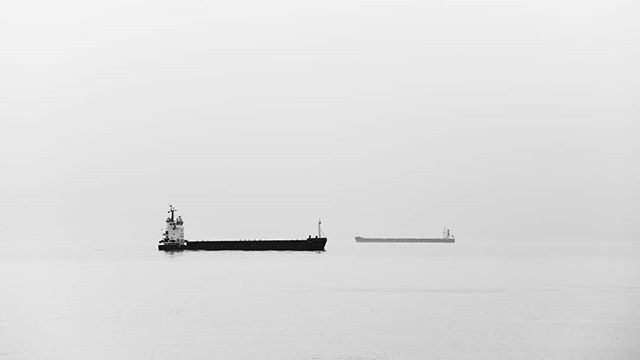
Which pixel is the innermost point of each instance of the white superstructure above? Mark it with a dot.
(174, 233)
(446, 234)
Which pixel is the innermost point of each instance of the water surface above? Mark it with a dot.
(354, 301)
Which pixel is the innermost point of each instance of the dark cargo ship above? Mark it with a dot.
(173, 239)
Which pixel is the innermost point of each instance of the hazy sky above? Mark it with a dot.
(500, 119)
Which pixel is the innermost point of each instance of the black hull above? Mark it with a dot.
(170, 247)
(313, 244)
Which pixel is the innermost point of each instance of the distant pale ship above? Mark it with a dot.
(447, 237)
(173, 239)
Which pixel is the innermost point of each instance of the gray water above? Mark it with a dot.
(466, 300)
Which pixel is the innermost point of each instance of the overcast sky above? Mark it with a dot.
(500, 119)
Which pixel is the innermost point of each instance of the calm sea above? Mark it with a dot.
(354, 301)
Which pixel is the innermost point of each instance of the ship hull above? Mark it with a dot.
(313, 244)
(171, 247)
(404, 240)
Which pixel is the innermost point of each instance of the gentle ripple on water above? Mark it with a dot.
(407, 301)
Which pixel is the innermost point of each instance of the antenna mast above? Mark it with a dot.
(171, 210)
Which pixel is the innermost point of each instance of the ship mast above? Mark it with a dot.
(319, 228)
(171, 210)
